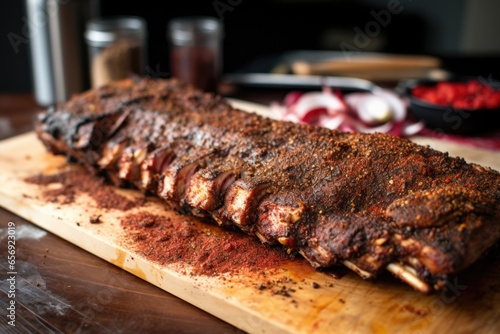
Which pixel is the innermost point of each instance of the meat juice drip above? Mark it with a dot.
(197, 65)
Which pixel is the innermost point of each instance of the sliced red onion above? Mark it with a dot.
(368, 112)
(314, 100)
(278, 109)
(371, 109)
(413, 129)
(313, 115)
(292, 97)
(291, 117)
(331, 122)
(397, 129)
(396, 103)
(384, 128)
(347, 127)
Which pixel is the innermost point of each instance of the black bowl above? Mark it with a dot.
(448, 119)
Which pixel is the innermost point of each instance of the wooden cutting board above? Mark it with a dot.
(291, 299)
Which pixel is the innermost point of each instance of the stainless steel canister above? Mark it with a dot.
(57, 47)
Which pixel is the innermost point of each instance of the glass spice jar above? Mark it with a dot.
(117, 48)
(195, 50)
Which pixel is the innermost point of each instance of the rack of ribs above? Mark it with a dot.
(370, 202)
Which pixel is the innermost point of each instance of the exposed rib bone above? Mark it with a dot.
(407, 274)
(358, 270)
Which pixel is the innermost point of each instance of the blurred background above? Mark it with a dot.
(463, 33)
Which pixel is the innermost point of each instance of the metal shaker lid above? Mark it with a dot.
(194, 29)
(104, 30)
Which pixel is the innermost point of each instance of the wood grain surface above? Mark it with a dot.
(316, 302)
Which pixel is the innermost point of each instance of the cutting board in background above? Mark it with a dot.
(291, 299)
(373, 66)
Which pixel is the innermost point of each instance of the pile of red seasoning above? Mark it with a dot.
(171, 238)
(77, 180)
(469, 95)
(210, 250)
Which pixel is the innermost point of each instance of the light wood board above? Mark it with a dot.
(340, 305)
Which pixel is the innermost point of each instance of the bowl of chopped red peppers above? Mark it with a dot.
(461, 106)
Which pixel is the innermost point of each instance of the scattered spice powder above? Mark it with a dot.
(77, 180)
(209, 249)
(283, 291)
(413, 310)
(95, 220)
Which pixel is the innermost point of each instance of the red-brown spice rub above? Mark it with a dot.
(207, 249)
(76, 180)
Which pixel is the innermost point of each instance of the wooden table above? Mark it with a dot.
(62, 288)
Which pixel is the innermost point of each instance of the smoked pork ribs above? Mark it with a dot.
(367, 201)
